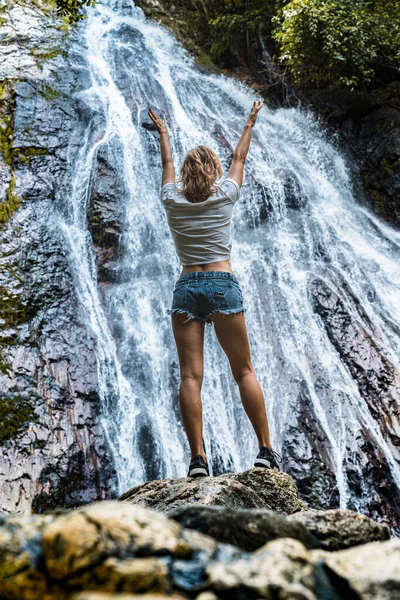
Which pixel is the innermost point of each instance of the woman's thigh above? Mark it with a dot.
(231, 332)
(189, 339)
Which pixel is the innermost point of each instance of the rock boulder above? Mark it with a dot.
(372, 571)
(121, 550)
(255, 488)
(253, 527)
(339, 529)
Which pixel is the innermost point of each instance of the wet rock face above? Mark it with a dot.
(377, 380)
(306, 456)
(53, 447)
(256, 488)
(114, 550)
(369, 126)
(104, 215)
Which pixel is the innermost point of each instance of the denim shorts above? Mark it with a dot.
(200, 294)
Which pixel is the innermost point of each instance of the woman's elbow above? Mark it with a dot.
(239, 157)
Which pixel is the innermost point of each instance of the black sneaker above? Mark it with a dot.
(267, 459)
(198, 467)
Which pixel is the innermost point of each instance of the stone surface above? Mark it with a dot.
(372, 570)
(20, 557)
(280, 569)
(339, 529)
(106, 547)
(134, 575)
(53, 448)
(369, 128)
(377, 378)
(113, 550)
(85, 538)
(206, 596)
(105, 215)
(123, 596)
(252, 527)
(255, 488)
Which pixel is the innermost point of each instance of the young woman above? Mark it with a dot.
(207, 291)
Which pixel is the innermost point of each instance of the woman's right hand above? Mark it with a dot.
(257, 105)
(158, 122)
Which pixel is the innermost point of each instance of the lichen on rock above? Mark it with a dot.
(339, 529)
(16, 413)
(119, 550)
(81, 540)
(256, 488)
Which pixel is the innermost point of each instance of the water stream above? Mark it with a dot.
(282, 242)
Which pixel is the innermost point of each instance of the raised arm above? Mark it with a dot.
(242, 147)
(168, 174)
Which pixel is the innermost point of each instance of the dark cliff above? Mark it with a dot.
(53, 447)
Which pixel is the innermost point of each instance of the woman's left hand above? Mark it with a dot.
(159, 123)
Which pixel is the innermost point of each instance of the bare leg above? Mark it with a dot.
(189, 339)
(231, 333)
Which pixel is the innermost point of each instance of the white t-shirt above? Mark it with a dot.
(202, 230)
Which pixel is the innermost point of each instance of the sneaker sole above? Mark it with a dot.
(264, 464)
(199, 472)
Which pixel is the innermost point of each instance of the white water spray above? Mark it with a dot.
(134, 63)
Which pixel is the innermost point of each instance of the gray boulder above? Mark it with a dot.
(372, 571)
(280, 569)
(340, 528)
(248, 529)
(255, 488)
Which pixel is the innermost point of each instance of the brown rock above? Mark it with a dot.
(372, 571)
(134, 575)
(280, 569)
(106, 596)
(87, 536)
(20, 555)
(339, 528)
(255, 488)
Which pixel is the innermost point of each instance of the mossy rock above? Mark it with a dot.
(12, 203)
(15, 415)
(14, 311)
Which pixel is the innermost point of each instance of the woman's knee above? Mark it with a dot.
(240, 373)
(192, 377)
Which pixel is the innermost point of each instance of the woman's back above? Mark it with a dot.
(208, 292)
(201, 230)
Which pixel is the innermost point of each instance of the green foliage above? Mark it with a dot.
(71, 10)
(11, 204)
(320, 43)
(233, 22)
(15, 415)
(338, 42)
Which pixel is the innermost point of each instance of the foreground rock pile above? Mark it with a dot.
(199, 549)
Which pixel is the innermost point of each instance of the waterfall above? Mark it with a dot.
(314, 265)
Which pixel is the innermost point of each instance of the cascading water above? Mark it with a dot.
(310, 260)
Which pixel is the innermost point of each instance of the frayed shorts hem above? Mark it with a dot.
(206, 319)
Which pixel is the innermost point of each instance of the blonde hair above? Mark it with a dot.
(200, 169)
